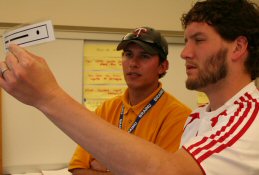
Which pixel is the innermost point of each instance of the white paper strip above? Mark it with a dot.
(30, 35)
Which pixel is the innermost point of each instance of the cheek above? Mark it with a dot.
(150, 66)
(124, 63)
(154, 69)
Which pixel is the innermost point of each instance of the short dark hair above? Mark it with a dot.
(231, 19)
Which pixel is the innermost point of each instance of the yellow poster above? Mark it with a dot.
(92, 104)
(102, 57)
(98, 63)
(103, 75)
(104, 92)
(202, 99)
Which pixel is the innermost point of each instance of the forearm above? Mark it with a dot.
(89, 172)
(117, 154)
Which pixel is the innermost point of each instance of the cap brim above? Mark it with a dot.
(147, 47)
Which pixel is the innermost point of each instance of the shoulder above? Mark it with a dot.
(174, 104)
(172, 109)
(110, 104)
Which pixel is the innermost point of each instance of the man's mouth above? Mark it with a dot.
(133, 74)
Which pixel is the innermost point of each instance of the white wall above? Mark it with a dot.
(160, 14)
(30, 140)
(174, 80)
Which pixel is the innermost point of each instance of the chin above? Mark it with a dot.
(192, 84)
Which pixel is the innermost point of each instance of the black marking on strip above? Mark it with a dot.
(19, 37)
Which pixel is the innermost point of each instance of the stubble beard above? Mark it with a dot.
(215, 69)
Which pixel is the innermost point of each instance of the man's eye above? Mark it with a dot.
(199, 40)
(146, 56)
(127, 54)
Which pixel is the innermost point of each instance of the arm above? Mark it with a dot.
(30, 81)
(83, 163)
(89, 172)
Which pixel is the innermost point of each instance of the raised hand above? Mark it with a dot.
(27, 77)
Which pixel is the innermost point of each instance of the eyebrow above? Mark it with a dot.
(195, 35)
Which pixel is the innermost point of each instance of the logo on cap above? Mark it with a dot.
(139, 31)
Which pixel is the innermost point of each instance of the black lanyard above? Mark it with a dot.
(142, 113)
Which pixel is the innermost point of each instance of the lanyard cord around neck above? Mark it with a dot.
(142, 113)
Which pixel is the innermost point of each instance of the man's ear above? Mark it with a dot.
(164, 66)
(240, 48)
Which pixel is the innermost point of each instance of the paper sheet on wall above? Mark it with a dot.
(202, 99)
(107, 92)
(103, 76)
(102, 57)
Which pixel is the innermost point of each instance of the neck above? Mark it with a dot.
(222, 91)
(139, 94)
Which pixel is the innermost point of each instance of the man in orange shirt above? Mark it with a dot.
(145, 109)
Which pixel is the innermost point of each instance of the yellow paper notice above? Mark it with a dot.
(202, 99)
